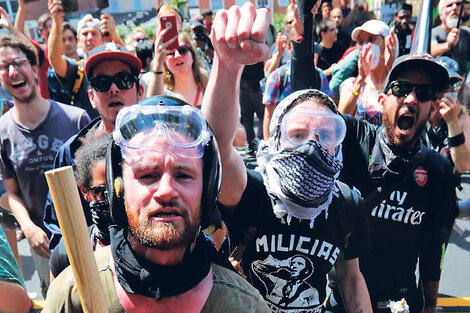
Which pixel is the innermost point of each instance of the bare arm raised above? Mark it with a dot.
(238, 37)
(54, 42)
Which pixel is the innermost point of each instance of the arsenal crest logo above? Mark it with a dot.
(421, 176)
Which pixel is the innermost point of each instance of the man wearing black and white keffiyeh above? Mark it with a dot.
(306, 221)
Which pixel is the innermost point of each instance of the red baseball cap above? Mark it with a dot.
(112, 51)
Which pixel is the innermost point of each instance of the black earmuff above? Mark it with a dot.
(119, 187)
(115, 185)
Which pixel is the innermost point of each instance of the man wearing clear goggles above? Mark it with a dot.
(289, 221)
(140, 126)
(163, 180)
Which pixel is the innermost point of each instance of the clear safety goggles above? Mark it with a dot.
(138, 127)
(300, 126)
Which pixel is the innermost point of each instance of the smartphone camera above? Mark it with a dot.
(70, 5)
(168, 25)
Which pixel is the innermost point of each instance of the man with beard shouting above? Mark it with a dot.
(447, 39)
(163, 179)
(408, 189)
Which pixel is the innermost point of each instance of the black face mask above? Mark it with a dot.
(306, 173)
(102, 219)
(138, 275)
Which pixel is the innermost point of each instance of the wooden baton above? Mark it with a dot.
(68, 207)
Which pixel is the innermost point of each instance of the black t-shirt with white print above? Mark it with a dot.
(409, 217)
(288, 263)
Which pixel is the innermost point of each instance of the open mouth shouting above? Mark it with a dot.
(406, 120)
(18, 83)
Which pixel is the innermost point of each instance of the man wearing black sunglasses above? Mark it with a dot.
(113, 75)
(409, 189)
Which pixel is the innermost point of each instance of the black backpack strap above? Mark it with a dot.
(352, 201)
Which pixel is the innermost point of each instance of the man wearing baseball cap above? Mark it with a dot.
(113, 75)
(408, 189)
(92, 32)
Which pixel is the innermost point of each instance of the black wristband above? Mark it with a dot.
(456, 141)
(157, 72)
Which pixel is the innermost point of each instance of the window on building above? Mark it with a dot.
(242, 2)
(217, 5)
(193, 3)
(262, 3)
(283, 3)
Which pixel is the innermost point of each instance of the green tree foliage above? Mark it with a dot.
(279, 23)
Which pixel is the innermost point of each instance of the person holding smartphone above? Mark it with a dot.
(176, 67)
(449, 126)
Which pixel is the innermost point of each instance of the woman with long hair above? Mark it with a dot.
(177, 73)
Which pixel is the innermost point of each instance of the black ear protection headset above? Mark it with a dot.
(211, 174)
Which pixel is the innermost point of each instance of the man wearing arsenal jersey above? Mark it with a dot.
(409, 189)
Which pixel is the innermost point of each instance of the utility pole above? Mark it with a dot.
(9, 9)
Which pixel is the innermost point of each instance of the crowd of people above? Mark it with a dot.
(359, 150)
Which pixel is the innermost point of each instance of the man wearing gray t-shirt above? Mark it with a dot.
(450, 40)
(31, 133)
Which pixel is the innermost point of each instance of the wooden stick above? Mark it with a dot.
(72, 222)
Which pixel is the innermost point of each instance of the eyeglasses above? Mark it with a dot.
(17, 64)
(182, 50)
(99, 192)
(123, 81)
(401, 88)
(138, 127)
(299, 126)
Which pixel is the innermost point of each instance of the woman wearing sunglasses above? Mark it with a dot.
(177, 73)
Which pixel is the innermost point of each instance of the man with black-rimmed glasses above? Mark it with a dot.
(31, 133)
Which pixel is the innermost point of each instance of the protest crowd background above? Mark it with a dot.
(336, 136)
